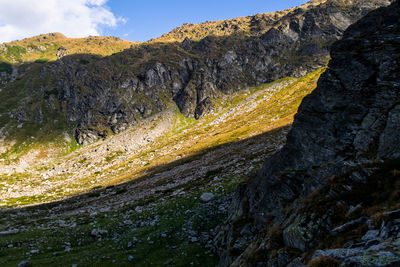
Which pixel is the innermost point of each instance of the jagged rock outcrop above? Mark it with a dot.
(334, 184)
(98, 95)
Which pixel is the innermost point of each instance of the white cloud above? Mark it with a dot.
(74, 18)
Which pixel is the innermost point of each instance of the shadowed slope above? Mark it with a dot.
(347, 128)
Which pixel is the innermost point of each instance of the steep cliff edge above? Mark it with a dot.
(330, 195)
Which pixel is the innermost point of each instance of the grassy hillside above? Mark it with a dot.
(44, 102)
(50, 47)
(173, 136)
(141, 189)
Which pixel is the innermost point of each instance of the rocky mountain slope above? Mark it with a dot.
(90, 97)
(330, 196)
(178, 127)
(150, 195)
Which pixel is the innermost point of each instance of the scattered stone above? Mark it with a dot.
(138, 209)
(349, 225)
(206, 197)
(34, 251)
(24, 263)
(382, 258)
(371, 234)
(98, 232)
(339, 253)
(10, 232)
(128, 222)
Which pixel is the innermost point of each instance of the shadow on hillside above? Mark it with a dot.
(231, 150)
(86, 73)
(89, 75)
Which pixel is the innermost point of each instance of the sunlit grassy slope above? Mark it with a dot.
(237, 117)
(49, 47)
(146, 200)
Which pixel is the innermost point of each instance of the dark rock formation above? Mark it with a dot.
(341, 159)
(113, 93)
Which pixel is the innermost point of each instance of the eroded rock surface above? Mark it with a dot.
(341, 156)
(103, 95)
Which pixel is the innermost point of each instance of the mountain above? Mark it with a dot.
(330, 196)
(135, 198)
(133, 158)
(89, 97)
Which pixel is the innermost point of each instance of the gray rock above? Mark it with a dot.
(349, 122)
(349, 225)
(206, 197)
(382, 258)
(340, 253)
(371, 234)
(192, 73)
(98, 232)
(297, 262)
(24, 263)
(34, 251)
(378, 247)
(9, 232)
(294, 237)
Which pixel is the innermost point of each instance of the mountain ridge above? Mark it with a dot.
(225, 27)
(92, 97)
(175, 131)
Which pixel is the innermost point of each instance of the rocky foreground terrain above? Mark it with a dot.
(330, 196)
(150, 156)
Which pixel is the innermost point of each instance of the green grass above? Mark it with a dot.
(113, 156)
(15, 52)
(151, 249)
(182, 123)
(42, 60)
(35, 50)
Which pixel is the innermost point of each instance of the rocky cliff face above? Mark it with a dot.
(100, 95)
(330, 195)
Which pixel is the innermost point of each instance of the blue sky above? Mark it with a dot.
(135, 20)
(148, 19)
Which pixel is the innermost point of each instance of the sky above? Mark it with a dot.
(134, 20)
